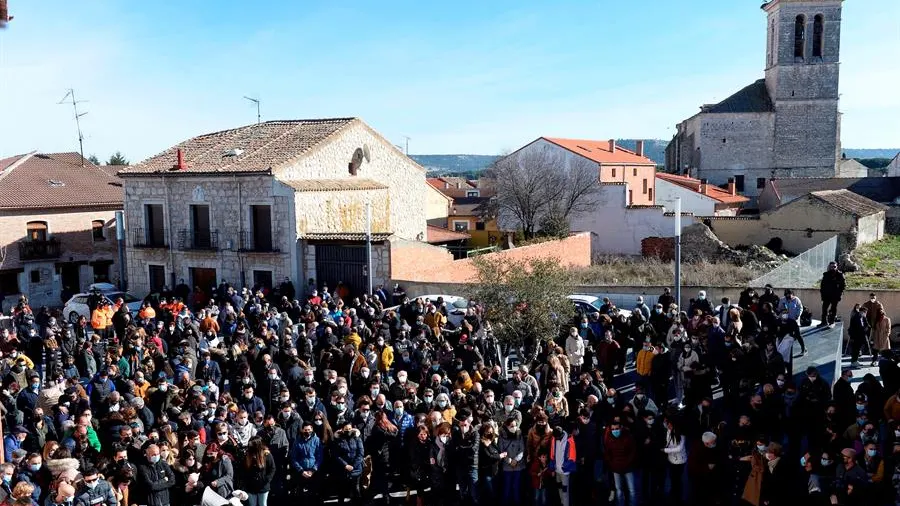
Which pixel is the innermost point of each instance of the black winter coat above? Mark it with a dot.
(420, 460)
(155, 481)
(259, 479)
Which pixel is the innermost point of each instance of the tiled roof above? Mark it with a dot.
(599, 152)
(849, 202)
(344, 236)
(753, 98)
(56, 180)
(879, 189)
(437, 235)
(327, 185)
(466, 206)
(712, 191)
(252, 148)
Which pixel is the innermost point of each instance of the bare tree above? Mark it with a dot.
(542, 185)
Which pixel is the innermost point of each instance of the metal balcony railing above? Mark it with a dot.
(142, 238)
(39, 250)
(250, 243)
(207, 240)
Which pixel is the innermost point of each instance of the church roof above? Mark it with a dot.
(753, 98)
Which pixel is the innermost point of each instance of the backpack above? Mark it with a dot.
(806, 317)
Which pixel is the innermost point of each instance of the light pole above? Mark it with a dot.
(369, 245)
(678, 252)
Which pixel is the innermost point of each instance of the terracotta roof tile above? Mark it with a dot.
(56, 180)
(712, 191)
(325, 185)
(849, 202)
(437, 235)
(599, 152)
(252, 148)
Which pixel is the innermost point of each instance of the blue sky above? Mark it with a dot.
(456, 77)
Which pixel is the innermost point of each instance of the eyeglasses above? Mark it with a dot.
(91, 480)
(222, 433)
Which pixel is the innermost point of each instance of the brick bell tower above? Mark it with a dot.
(802, 73)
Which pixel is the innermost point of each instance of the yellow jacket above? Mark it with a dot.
(644, 361)
(435, 321)
(386, 359)
(29, 364)
(354, 339)
(98, 319)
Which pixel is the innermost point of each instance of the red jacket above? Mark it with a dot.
(620, 453)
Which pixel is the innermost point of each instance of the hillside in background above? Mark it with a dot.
(871, 153)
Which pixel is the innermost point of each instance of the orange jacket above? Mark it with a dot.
(147, 312)
(98, 321)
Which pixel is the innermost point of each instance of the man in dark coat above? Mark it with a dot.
(155, 478)
(831, 289)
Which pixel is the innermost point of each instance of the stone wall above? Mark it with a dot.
(412, 261)
(405, 179)
(229, 199)
(342, 211)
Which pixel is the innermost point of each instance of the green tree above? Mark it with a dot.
(93, 159)
(523, 299)
(117, 159)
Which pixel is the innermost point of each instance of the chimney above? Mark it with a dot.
(180, 164)
(446, 185)
(639, 148)
(704, 186)
(458, 185)
(612, 145)
(732, 188)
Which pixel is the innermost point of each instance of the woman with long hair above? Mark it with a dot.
(378, 446)
(676, 458)
(322, 428)
(259, 471)
(420, 462)
(187, 474)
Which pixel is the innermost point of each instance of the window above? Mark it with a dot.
(614, 172)
(645, 186)
(200, 233)
(9, 281)
(98, 231)
(460, 226)
(473, 193)
(739, 183)
(479, 225)
(818, 35)
(800, 36)
(634, 172)
(262, 279)
(760, 182)
(37, 230)
(630, 197)
(156, 276)
(261, 227)
(155, 224)
(101, 272)
(650, 195)
(35, 276)
(772, 48)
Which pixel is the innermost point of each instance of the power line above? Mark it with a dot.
(71, 95)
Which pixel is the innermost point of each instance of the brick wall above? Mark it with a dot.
(411, 261)
(662, 248)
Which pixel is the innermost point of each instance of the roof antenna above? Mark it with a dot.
(71, 94)
(255, 101)
(407, 143)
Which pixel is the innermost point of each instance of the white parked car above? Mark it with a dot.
(586, 304)
(77, 305)
(456, 306)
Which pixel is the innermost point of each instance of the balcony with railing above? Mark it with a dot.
(250, 243)
(198, 240)
(31, 250)
(143, 238)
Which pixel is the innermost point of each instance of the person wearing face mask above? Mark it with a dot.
(35, 473)
(849, 472)
(575, 349)
(443, 405)
(288, 420)
(250, 402)
(96, 490)
(556, 405)
(620, 453)
(155, 478)
(307, 458)
(684, 367)
(217, 471)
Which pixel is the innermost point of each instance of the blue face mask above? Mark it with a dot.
(860, 407)
(35, 467)
(870, 453)
(860, 421)
(584, 325)
(6, 479)
(761, 448)
(616, 432)
(825, 462)
(802, 461)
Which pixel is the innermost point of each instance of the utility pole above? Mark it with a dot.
(71, 95)
(255, 101)
(369, 245)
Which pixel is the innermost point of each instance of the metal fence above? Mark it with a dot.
(804, 270)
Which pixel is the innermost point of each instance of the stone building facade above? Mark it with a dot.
(786, 125)
(57, 227)
(258, 204)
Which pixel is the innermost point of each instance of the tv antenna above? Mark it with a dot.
(255, 101)
(407, 144)
(71, 96)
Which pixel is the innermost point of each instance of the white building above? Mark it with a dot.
(697, 196)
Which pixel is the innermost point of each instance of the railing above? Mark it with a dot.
(198, 240)
(39, 250)
(804, 270)
(482, 251)
(140, 238)
(248, 243)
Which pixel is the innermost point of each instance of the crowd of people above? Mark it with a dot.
(382, 399)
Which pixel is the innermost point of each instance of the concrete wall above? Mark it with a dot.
(691, 201)
(74, 230)
(405, 179)
(229, 200)
(437, 206)
(870, 228)
(893, 168)
(420, 262)
(618, 230)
